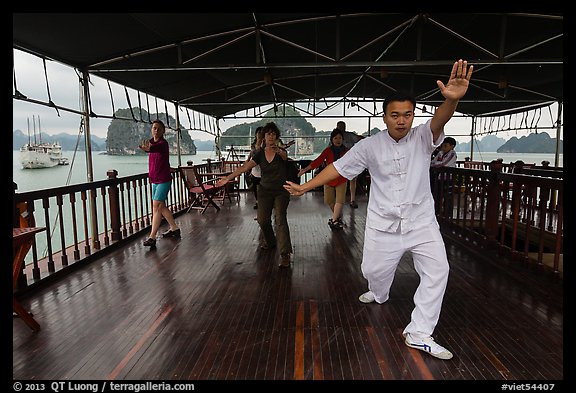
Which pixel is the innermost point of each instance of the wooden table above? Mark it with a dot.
(22, 238)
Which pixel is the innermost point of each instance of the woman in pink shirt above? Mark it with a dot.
(159, 175)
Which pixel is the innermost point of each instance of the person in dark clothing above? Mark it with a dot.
(271, 193)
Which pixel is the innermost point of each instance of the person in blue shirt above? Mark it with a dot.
(400, 217)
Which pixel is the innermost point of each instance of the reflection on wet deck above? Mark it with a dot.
(212, 305)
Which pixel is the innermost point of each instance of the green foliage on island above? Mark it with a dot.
(243, 134)
(124, 136)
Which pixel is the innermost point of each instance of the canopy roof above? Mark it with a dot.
(220, 64)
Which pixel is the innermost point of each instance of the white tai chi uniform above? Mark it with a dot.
(401, 219)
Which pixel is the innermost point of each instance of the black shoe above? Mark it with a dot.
(255, 206)
(331, 224)
(353, 205)
(150, 242)
(170, 233)
(338, 224)
(284, 260)
(265, 246)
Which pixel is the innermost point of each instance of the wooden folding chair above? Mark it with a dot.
(201, 191)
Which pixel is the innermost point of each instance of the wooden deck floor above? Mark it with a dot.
(213, 306)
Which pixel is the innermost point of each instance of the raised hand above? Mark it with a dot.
(459, 80)
(145, 145)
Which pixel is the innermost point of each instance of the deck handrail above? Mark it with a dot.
(122, 207)
(517, 214)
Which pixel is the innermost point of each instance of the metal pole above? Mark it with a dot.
(178, 134)
(558, 128)
(89, 168)
(472, 138)
(218, 140)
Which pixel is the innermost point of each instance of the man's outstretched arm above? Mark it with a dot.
(327, 174)
(453, 91)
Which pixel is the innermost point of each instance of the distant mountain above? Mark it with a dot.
(533, 143)
(204, 145)
(67, 141)
(486, 144)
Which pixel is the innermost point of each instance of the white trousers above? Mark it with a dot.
(382, 253)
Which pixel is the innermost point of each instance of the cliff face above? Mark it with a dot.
(124, 136)
(533, 143)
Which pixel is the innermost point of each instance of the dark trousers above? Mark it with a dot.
(278, 201)
(255, 182)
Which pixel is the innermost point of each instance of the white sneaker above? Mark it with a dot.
(367, 297)
(427, 344)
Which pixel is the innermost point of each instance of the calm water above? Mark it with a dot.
(35, 179)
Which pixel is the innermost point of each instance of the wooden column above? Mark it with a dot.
(114, 201)
(493, 201)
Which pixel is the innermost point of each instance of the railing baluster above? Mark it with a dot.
(85, 218)
(114, 200)
(136, 221)
(46, 207)
(63, 255)
(123, 209)
(128, 199)
(146, 188)
(105, 217)
(94, 221)
(74, 225)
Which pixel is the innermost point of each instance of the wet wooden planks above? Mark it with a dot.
(212, 305)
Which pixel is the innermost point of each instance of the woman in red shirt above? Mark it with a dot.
(335, 190)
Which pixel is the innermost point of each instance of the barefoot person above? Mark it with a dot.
(400, 216)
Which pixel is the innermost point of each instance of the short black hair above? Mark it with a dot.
(336, 131)
(272, 127)
(398, 96)
(450, 140)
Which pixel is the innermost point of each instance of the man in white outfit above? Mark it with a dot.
(400, 216)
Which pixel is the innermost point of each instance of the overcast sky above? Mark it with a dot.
(64, 90)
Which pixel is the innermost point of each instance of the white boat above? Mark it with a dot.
(41, 155)
(34, 155)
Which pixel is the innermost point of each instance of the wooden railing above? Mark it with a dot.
(84, 220)
(516, 214)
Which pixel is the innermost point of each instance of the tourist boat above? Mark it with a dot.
(42, 155)
(35, 155)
